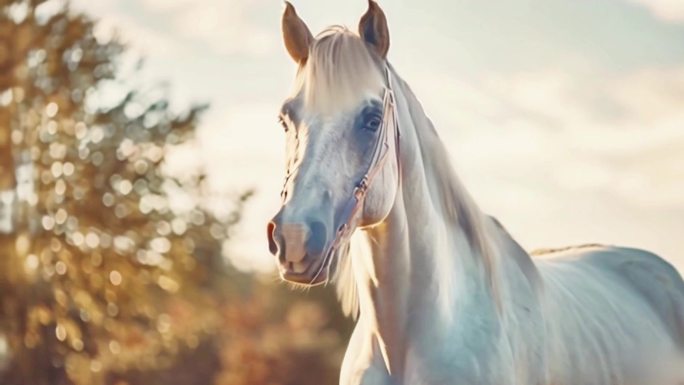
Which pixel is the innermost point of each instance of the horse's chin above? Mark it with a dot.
(316, 274)
(319, 272)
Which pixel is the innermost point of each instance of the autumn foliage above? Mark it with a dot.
(105, 278)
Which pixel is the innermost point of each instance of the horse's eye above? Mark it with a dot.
(283, 123)
(372, 123)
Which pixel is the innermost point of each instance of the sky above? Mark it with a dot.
(564, 118)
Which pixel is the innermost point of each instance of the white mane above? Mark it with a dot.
(453, 202)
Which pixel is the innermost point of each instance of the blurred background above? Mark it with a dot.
(140, 159)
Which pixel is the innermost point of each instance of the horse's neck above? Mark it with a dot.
(400, 271)
(421, 264)
(402, 289)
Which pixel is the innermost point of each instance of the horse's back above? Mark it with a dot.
(656, 280)
(626, 298)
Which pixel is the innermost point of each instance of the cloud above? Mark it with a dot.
(667, 10)
(621, 133)
(159, 27)
(225, 26)
(165, 5)
(112, 20)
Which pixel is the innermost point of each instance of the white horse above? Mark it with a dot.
(442, 293)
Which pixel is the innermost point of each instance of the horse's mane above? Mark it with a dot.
(339, 70)
(453, 201)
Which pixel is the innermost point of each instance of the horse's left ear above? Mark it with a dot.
(373, 29)
(296, 34)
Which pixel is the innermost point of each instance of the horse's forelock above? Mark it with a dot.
(339, 72)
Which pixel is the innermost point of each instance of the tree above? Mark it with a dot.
(99, 269)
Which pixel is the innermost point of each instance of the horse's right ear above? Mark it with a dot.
(296, 34)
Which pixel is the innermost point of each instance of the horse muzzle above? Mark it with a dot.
(301, 249)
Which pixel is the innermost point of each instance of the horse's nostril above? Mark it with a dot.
(270, 234)
(292, 243)
(318, 239)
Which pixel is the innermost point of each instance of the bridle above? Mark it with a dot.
(380, 155)
(389, 126)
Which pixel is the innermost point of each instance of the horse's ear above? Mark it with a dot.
(296, 35)
(373, 29)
